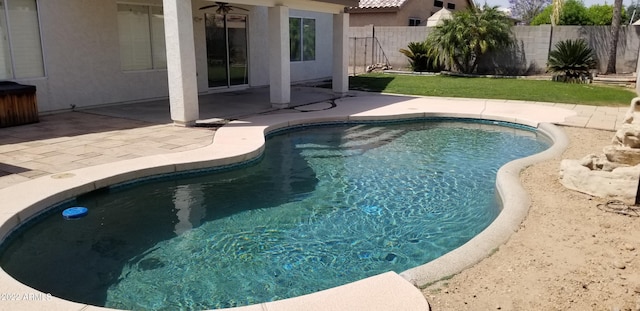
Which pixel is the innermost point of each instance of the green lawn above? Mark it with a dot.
(517, 89)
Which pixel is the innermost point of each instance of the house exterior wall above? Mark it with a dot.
(380, 19)
(82, 55)
(421, 9)
(321, 67)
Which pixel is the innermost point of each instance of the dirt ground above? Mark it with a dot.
(567, 255)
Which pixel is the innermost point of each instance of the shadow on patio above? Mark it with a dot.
(226, 106)
(71, 140)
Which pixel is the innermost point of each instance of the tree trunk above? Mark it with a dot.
(615, 29)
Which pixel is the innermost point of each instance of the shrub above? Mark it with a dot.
(573, 13)
(571, 61)
(602, 14)
(418, 57)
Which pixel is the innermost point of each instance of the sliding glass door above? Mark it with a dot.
(226, 50)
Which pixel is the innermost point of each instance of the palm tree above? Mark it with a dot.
(615, 29)
(459, 43)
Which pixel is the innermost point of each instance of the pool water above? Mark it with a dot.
(325, 206)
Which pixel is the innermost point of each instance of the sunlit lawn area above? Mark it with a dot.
(517, 89)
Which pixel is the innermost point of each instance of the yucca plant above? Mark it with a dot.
(571, 61)
(418, 58)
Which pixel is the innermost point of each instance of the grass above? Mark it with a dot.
(492, 88)
(219, 75)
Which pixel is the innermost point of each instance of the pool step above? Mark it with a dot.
(383, 292)
(358, 140)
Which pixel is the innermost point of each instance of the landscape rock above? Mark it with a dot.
(619, 264)
(628, 135)
(615, 173)
(622, 155)
(620, 183)
(599, 163)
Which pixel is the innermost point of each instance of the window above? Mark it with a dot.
(20, 45)
(414, 22)
(438, 3)
(141, 34)
(302, 39)
(451, 6)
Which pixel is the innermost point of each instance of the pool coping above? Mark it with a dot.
(243, 140)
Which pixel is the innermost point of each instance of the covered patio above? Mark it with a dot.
(237, 104)
(181, 50)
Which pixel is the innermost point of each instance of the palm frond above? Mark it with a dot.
(460, 42)
(572, 59)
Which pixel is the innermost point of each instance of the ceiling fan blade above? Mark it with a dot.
(239, 8)
(208, 6)
(222, 7)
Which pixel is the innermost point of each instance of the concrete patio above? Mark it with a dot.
(89, 143)
(71, 140)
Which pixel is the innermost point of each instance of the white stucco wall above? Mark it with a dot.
(258, 47)
(82, 56)
(322, 66)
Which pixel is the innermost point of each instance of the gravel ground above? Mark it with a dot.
(567, 255)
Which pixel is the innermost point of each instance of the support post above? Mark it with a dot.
(279, 62)
(181, 62)
(341, 53)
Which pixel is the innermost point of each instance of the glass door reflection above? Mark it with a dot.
(226, 37)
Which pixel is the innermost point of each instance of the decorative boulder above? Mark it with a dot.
(615, 173)
(622, 155)
(620, 183)
(599, 163)
(628, 135)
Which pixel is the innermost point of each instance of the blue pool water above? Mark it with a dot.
(323, 207)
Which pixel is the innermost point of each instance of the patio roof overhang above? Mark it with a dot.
(181, 63)
(324, 6)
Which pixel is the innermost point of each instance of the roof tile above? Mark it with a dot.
(373, 4)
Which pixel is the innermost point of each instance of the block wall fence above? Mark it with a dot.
(529, 56)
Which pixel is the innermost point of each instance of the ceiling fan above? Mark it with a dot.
(222, 7)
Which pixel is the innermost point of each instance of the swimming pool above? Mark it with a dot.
(421, 172)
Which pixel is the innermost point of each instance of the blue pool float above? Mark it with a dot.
(75, 212)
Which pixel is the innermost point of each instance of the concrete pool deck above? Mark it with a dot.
(107, 150)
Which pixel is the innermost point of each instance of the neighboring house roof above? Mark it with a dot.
(375, 4)
(384, 5)
(347, 3)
